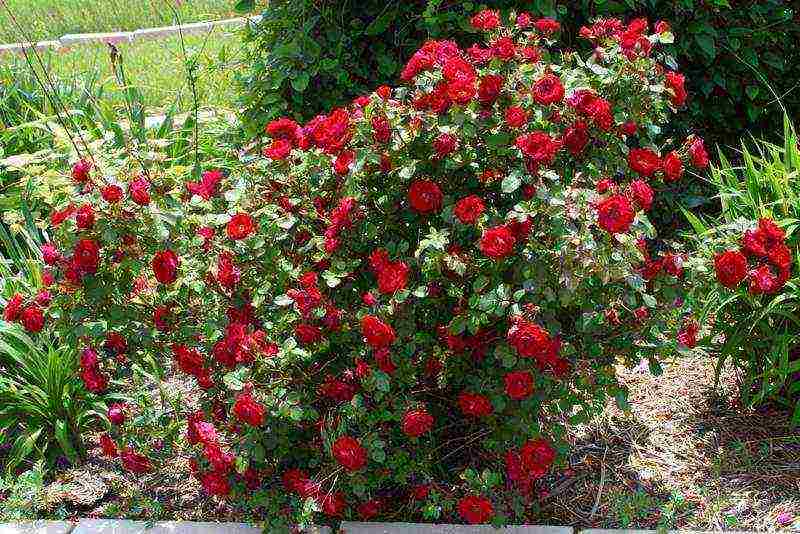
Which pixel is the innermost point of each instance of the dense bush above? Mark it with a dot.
(405, 300)
(308, 56)
(751, 312)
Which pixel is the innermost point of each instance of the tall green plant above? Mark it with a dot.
(758, 334)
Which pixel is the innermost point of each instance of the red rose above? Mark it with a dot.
(416, 422)
(377, 333)
(392, 277)
(688, 334)
(285, 129)
(32, 319)
(548, 90)
(489, 89)
(536, 455)
(469, 209)
(116, 413)
(530, 340)
(341, 164)
(139, 191)
(108, 446)
(576, 137)
(497, 243)
(333, 504)
(228, 275)
(86, 256)
(675, 82)
(111, 193)
(84, 217)
(80, 170)
(134, 462)
(445, 144)
(673, 167)
(384, 91)
(474, 405)
(629, 128)
(644, 161)
(349, 453)
(475, 509)
(615, 214)
(538, 146)
(504, 48)
(731, 268)
(307, 334)
(381, 129)
(519, 385)
(486, 20)
(763, 280)
(165, 266)
(547, 25)
(215, 483)
(425, 196)
(642, 194)
(13, 308)
(697, 151)
(524, 20)
(248, 410)
(279, 150)
(240, 226)
(516, 117)
(370, 509)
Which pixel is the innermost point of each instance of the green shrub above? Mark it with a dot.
(756, 331)
(309, 55)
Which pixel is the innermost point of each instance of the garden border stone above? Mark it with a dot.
(37, 527)
(83, 38)
(114, 526)
(20, 47)
(348, 527)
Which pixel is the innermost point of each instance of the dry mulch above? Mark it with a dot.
(686, 457)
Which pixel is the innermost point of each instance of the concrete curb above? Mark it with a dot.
(75, 39)
(421, 528)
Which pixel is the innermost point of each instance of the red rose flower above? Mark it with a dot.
(731, 268)
(615, 214)
(86, 256)
(475, 509)
(349, 453)
(504, 48)
(416, 423)
(516, 117)
(445, 144)
(425, 196)
(548, 90)
(139, 190)
(687, 336)
(644, 161)
(279, 150)
(392, 277)
(343, 161)
(489, 89)
(248, 410)
(538, 146)
(32, 319)
(469, 209)
(285, 129)
(497, 243)
(116, 413)
(108, 446)
(537, 455)
(381, 129)
(673, 167)
(675, 82)
(240, 226)
(134, 462)
(576, 137)
(377, 333)
(13, 308)
(333, 504)
(642, 194)
(228, 274)
(519, 385)
(697, 151)
(370, 509)
(529, 339)
(547, 26)
(80, 171)
(486, 20)
(84, 217)
(307, 334)
(111, 193)
(165, 266)
(474, 405)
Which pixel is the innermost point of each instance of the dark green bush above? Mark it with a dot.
(309, 55)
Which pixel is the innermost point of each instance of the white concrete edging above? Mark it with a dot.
(74, 39)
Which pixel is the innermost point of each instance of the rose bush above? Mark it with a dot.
(404, 300)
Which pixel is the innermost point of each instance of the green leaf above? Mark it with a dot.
(706, 44)
(380, 24)
(511, 182)
(245, 6)
(300, 82)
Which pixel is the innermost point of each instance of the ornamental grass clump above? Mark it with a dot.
(398, 308)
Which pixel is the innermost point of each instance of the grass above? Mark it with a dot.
(49, 19)
(155, 68)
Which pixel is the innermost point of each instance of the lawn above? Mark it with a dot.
(155, 68)
(49, 19)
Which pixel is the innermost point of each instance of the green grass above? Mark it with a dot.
(155, 68)
(49, 19)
